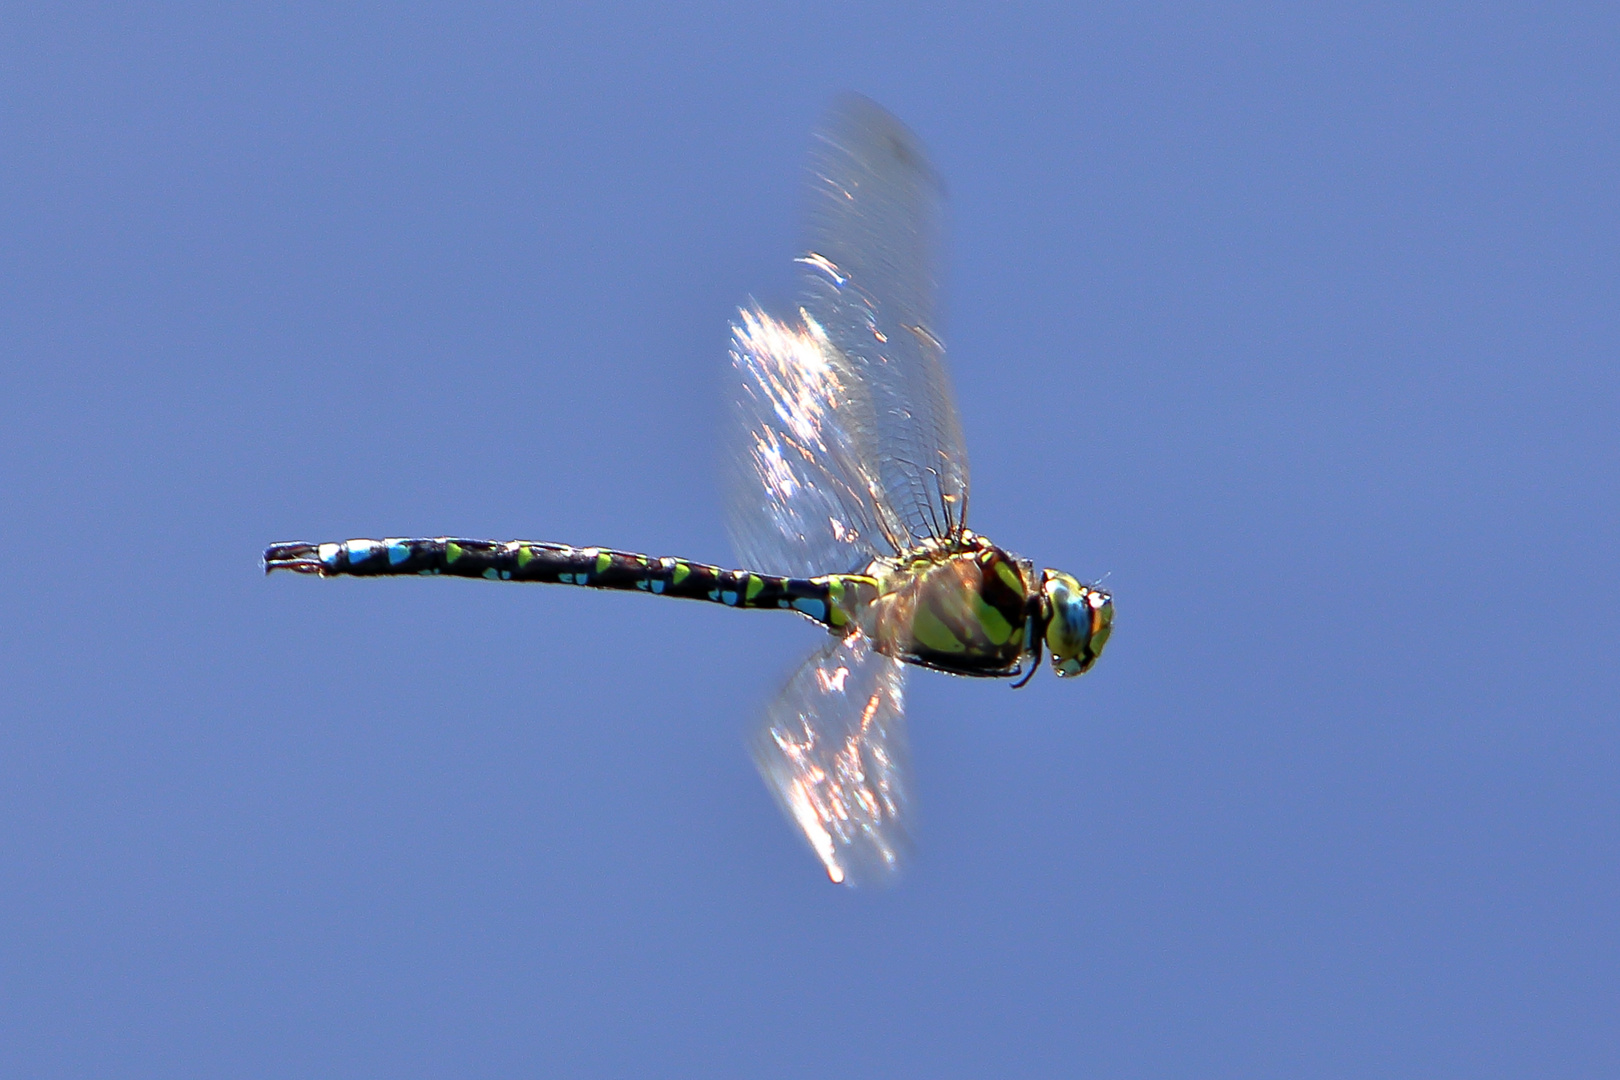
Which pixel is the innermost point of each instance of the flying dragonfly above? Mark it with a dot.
(847, 497)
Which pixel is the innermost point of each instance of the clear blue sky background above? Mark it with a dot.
(1299, 325)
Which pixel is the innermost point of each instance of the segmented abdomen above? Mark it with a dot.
(822, 599)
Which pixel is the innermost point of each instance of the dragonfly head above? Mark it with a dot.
(1079, 620)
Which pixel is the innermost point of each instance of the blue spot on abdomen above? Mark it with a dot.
(361, 550)
(816, 609)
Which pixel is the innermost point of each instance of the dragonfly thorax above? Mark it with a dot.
(959, 606)
(967, 607)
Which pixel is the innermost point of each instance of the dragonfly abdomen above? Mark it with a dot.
(820, 599)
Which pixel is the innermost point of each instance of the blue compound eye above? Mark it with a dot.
(1080, 622)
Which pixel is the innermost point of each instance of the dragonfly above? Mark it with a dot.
(847, 498)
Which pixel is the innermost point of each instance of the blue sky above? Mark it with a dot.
(1299, 325)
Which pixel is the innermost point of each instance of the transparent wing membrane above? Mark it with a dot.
(800, 493)
(868, 279)
(846, 441)
(833, 751)
(846, 446)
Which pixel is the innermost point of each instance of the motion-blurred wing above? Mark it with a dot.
(800, 496)
(832, 749)
(868, 279)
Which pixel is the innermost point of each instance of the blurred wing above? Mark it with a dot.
(868, 280)
(800, 496)
(833, 751)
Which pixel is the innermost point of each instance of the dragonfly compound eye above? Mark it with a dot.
(1081, 620)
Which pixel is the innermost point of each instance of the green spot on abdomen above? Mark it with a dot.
(452, 552)
(756, 585)
(682, 571)
(603, 561)
(525, 555)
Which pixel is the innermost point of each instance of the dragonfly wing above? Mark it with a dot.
(801, 497)
(868, 279)
(832, 749)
